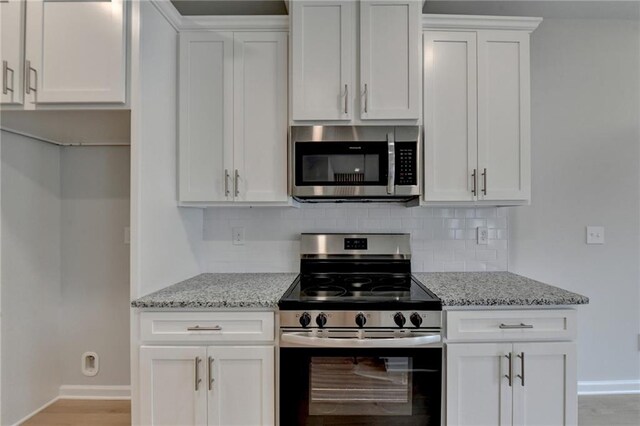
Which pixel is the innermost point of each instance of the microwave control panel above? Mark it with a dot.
(406, 163)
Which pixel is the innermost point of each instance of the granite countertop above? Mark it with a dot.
(263, 290)
(257, 290)
(495, 289)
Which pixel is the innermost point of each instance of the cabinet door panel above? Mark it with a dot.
(243, 385)
(450, 112)
(390, 59)
(504, 118)
(205, 116)
(548, 395)
(77, 51)
(477, 391)
(260, 116)
(12, 45)
(168, 394)
(322, 59)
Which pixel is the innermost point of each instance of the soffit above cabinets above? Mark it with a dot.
(230, 7)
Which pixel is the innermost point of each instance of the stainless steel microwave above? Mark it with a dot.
(355, 163)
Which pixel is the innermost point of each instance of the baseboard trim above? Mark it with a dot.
(28, 416)
(95, 392)
(609, 387)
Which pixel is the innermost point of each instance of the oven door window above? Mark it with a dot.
(326, 386)
(341, 163)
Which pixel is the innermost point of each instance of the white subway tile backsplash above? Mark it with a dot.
(443, 239)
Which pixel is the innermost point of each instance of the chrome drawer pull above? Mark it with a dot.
(198, 328)
(515, 326)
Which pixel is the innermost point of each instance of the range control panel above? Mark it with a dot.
(361, 319)
(406, 163)
(355, 244)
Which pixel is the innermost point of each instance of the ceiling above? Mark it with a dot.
(543, 8)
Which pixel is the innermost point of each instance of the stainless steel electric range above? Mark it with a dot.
(360, 337)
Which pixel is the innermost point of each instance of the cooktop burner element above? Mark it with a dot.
(357, 272)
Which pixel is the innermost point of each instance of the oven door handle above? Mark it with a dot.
(332, 342)
(391, 172)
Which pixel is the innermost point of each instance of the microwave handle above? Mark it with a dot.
(391, 180)
(403, 342)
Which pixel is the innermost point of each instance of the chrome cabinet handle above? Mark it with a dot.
(197, 373)
(198, 328)
(346, 99)
(27, 84)
(366, 98)
(235, 182)
(391, 179)
(521, 375)
(5, 78)
(510, 375)
(514, 326)
(484, 175)
(210, 368)
(226, 182)
(474, 175)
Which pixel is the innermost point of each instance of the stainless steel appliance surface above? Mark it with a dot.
(355, 163)
(360, 337)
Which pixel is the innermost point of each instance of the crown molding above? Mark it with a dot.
(221, 22)
(479, 22)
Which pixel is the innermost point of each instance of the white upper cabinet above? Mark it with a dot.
(12, 45)
(325, 49)
(477, 115)
(450, 114)
(390, 59)
(504, 129)
(75, 52)
(260, 116)
(323, 59)
(205, 138)
(232, 143)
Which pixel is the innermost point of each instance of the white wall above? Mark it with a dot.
(585, 147)
(442, 239)
(94, 310)
(165, 238)
(31, 267)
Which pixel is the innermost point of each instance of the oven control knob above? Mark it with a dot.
(305, 319)
(416, 319)
(321, 319)
(361, 320)
(399, 319)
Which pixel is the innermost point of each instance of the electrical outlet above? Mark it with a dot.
(483, 235)
(127, 235)
(595, 234)
(237, 237)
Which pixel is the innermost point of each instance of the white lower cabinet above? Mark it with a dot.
(524, 384)
(215, 385)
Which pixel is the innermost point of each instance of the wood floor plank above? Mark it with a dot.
(75, 412)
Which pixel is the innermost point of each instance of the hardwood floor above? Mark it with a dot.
(593, 410)
(76, 412)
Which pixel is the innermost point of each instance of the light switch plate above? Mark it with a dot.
(595, 234)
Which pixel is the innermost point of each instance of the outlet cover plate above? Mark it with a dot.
(595, 234)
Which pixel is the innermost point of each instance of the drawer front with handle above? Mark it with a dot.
(205, 327)
(512, 325)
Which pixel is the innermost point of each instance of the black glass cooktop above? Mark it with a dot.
(354, 290)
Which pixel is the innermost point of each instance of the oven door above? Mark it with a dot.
(360, 384)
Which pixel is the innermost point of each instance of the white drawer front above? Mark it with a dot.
(510, 325)
(207, 327)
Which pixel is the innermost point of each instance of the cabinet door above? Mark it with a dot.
(390, 66)
(450, 116)
(205, 140)
(504, 120)
(173, 387)
(12, 45)
(76, 51)
(478, 393)
(545, 393)
(322, 55)
(242, 385)
(260, 116)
